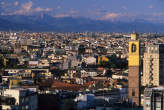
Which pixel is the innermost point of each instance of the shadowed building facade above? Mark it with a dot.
(134, 63)
(154, 98)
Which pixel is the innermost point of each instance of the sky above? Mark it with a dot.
(126, 10)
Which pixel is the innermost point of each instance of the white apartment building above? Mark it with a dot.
(19, 99)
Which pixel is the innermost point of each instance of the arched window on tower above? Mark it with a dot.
(133, 92)
(133, 48)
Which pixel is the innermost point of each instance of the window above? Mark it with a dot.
(133, 92)
(156, 48)
(152, 48)
(27, 107)
(147, 103)
(22, 108)
(133, 48)
(158, 105)
(22, 100)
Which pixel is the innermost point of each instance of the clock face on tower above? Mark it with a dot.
(133, 49)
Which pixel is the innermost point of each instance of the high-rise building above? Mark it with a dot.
(153, 65)
(154, 98)
(134, 63)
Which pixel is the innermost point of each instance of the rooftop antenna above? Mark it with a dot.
(134, 31)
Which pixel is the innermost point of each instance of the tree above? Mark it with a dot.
(1, 62)
(81, 49)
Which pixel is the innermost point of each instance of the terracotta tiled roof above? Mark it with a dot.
(66, 86)
(89, 83)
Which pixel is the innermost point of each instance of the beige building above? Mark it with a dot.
(153, 66)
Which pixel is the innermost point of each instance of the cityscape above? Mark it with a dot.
(80, 71)
(81, 55)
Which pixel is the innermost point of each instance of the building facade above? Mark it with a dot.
(18, 99)
(154, 98)
(153, 65)
(134, 70)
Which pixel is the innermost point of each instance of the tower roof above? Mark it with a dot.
(134, 36)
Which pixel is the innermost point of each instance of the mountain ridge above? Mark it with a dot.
(47, 23)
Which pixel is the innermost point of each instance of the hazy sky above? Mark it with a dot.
(152, 10)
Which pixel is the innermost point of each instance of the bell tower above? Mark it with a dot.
(134, 80)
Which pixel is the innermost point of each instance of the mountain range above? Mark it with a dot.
(47, 23)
